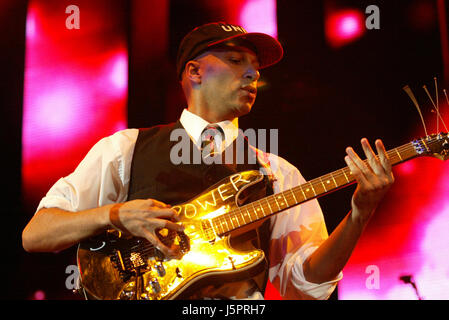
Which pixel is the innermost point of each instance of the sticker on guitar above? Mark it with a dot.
(215, 198)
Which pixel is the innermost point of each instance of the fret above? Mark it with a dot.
(277, 203)
(220, 225)
(249, 215)
(233, 227)
(286, 202)
(227, 224)
(324, 186)
(234, 217)
(278, 196)
(255, 211)
(399, 155)
(328, 182)
(335, 182)
(268, 202)
(304, 195)
(263, 211)
(223, 221)
(345, 175)
(238, 218)
(243, 217)
(313, 189)
(296, 201)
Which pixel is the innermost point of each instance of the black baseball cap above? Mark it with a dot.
(268, 50)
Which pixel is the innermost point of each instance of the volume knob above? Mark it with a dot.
(160, 269)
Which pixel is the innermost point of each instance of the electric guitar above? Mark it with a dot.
(113, 266)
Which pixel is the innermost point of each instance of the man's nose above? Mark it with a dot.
(252, 73)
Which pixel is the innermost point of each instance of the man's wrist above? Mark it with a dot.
(360, 218)
(114, 218)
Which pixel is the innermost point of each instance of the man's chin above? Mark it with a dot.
(245, 106)
(244, 109)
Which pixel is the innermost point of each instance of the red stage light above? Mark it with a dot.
(406, 236)
(39, 295)
(259, 16)
(344, 26)
(75, 89)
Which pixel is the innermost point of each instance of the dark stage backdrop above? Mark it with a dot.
(320, 97)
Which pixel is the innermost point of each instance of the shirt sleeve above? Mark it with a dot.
(101, 178)
(296, 234)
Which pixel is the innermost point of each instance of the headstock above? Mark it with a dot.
(436, 145)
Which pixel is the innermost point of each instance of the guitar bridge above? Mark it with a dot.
(129, 256)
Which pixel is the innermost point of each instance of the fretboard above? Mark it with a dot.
(265, 207)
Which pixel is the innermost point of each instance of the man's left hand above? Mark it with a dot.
(374, 178)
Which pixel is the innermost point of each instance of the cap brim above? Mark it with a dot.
(269, 50)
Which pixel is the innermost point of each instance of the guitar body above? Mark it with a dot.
(116, 267)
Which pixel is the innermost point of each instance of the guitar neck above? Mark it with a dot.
(315, 188)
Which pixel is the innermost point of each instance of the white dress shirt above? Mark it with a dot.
(103, 176)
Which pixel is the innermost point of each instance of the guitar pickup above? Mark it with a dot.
(136, 260)
(207, 230)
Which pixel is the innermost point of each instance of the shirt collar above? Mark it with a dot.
(194, 125)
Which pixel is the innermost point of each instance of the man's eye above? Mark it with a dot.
(234, 60)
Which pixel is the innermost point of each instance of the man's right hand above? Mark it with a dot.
(141, 218)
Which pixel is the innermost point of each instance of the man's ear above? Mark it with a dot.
(193, 71)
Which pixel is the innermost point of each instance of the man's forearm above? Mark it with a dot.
(53, 229)
(330, 258)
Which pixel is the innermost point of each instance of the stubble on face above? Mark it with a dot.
(229, 81)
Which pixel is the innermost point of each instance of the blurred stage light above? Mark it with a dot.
(344, 26)
(31, 25)
(39, 295)
(75, 88)
(422, 15)
(259, 16)
(406, 236)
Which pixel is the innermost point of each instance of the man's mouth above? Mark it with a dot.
(252, 90)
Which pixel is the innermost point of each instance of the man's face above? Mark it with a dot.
(229, 79)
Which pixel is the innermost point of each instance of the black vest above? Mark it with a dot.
(153, 175)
